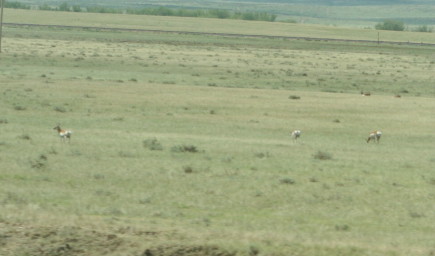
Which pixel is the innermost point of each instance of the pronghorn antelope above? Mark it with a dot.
(63, 134)
(296, 134)
(374, 136)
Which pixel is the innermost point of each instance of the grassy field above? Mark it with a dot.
(181, 145)
(210, 25)
(337, 13)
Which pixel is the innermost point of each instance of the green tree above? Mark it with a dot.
(64, 7)
(45, 7)
(16, 5)
(395, 25)
(221, 14)
(77, 8)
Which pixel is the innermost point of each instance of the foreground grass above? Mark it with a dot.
(182, 144)
(247, 181)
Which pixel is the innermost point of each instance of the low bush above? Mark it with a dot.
(152, 144)
(185, 148)
(321, 155)
(40, 162)
(288, 181)
(395, 25)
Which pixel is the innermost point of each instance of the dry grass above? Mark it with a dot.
(247, 180)
(248, 188)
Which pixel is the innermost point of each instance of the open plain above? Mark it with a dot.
(181, 143)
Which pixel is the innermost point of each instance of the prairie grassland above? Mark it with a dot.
(218, 61)
(181, 145)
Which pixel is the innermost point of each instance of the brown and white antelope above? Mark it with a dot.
(63, 134)
(374, 136)
(296, 134)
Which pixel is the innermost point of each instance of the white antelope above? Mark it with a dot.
(374, 136)
(296, 134)
(63, 134)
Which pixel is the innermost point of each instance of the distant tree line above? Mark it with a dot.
(397, 25)
(160, 11)
(16, 5)
(212, 13)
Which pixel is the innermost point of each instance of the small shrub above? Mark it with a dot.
(145, 200)
(13, 198)
(321, 155)
(431, 181)
(114, 211)
(118, 119)
(125, 154)
(229, 159)
(52, 151)
(25, 137)
(75, 152)
(343, 227)
(152, 144)
(313, 179)
(99, 176)
(102, 192)
(60, 109)
(288, 181)
(89, 96)
(19, 108)
(40, 162)
(414, 214)
(253, 250)
(262, 155)
(188, 169)
(185, 148)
